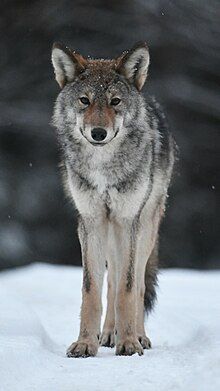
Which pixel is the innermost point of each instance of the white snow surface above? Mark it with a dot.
(39, 312)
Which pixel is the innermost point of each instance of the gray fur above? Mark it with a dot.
(121, 181)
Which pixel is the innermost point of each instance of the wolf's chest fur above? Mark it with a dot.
(100, 193)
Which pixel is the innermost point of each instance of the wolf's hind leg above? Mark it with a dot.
(147, 295)
(147, 253)
(108, 333)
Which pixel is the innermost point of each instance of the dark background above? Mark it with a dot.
(37, 223)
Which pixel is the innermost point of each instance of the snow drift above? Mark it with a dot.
(39, 310)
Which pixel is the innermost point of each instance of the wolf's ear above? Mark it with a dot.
(134, 63)
(67, 64)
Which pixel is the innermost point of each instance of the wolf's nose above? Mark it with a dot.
(98, 134)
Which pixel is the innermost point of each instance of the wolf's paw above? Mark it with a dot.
(82, 349)
(107, 338)
(145, 342)
(128, 347)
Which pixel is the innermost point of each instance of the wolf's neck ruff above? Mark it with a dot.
(117, 163)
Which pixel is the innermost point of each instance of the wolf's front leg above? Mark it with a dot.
(92, 239)
(126, 297)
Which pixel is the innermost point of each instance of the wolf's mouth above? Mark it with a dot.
(99, 144)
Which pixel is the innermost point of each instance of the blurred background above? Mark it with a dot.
(37, 222)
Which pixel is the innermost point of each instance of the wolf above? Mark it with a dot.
(117, 158)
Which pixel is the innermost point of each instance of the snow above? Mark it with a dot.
(39, 310)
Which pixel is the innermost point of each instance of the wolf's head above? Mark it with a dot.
(98, 98)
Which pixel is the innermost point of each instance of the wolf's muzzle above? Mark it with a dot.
(98, 134)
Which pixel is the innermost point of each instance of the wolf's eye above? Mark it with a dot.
(115, 101)
(84, 100)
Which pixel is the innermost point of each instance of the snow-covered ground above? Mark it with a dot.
(39, 312)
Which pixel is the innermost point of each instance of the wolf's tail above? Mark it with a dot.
(151, 271)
